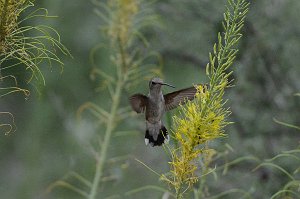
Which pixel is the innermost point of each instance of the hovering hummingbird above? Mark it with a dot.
(155, 105)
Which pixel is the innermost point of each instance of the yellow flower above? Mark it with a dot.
(200, 121)
(121, 24)
(204, 118)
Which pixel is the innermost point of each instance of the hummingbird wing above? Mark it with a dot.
(172, 100)
(138, 102)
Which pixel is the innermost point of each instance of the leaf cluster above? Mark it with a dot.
(24, 46)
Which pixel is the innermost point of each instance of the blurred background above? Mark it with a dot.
(50, 141)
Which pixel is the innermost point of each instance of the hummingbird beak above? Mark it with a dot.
(168, 85)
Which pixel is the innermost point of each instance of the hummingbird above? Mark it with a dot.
(155, 105)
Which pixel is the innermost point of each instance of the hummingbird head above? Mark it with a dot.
(156, 83)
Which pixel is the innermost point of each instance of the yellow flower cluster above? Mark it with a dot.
(204, 118)
(121, 25)
(200, 121)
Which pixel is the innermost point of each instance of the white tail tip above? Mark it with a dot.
(167, 139)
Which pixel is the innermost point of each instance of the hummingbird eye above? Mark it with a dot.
(152, 83)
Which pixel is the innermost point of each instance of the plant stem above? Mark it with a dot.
(109, 129)
(178, 192)
(122, 78)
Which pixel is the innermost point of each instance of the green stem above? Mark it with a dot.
(109, 129)
(122, 79)
(178, 195)
(178, 192)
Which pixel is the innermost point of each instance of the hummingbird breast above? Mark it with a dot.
(155, 108)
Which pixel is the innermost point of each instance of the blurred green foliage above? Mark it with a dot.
(49, 141)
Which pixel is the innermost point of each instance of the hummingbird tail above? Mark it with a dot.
(162, 137)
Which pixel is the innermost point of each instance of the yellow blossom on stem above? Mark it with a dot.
(203, 119)
(122, 19)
